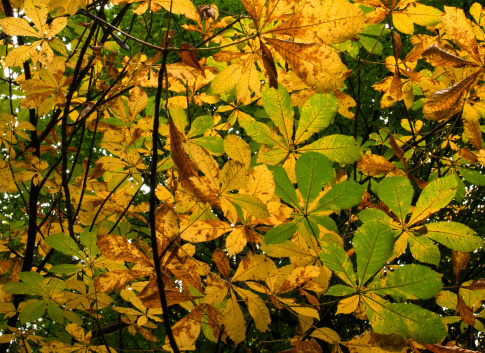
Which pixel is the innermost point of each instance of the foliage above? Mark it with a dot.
(265, 176)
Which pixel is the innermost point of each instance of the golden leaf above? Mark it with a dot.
(117, 279)
(473, 133)
(18, 27)
(200, 231)
(446, 102)
(115, 247)
(237, 149)
(186, 330)
(459, 29)
(439, 57)
(326, 334)
(348, 305)
(372, 164)
(256, 307)
(318, 65)
(373, 342)
(234, 320)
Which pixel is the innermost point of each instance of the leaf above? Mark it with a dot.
(336, 259)
(337, 148)
(189, 57)
(316, 114)
(251, 204)
(406, 320)
(33, 311)
(115, 247)
(374, 245)
(439, 57)
(281, 233)
(434, 197)
(460, 261)
(346, 194)
(269, 64)
(117, 279)
(63, 243)
(18, 27)
(466, 313)
(374, 342)
(397, 194)
(348, 305)
(424, 250)
(446, 102)
(326, 334)
(283, 186)
(234, 320)
(21, 54)
(305, 60)
(257, 309)
(187, 330)
(200, 231)
(447, 349)
(473, 176)
(459, 29)
(277, 103)
(313, 171)
(372, 164)
(411, 282)
(237, 149)
(455, 236)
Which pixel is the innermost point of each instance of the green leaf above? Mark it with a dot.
(336, 259)
(65, 268)
(281, 233)
(374, 245)
(277, 103)
(63, 243)
(88, 239)
(55, 312)
(31, 278)
(337, 148)
(374, 215)
(346, 194)
(283, 186)
(213, 144)
(473, 176)
(313, 171)
(251, 204)
(454, 235)
(424, 250)
(411, 282)
(434, 197)
(315, 115)
(339, 290)
(200, 125)
(21, 288)
(261, 133)
(33, 311)
(406, 320)
(397, 194)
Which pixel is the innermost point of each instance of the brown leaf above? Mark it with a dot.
(460, 260)
(372, 164)
(446, 102)
(117, 279)
(439, 57)
(255, 9)
(477, 284)
(222, 263)
(395, 147)
(420, 183)
(115, 247)
(473, 132)
(444, 349)
(397, 45)
(150, 296)
(371, 341)
(189, 57)
(269, 65)
(206, 12)
(396, 86)
(467, 155)
(466, 313)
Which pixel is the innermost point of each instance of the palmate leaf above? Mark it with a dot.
(336, 259)
(406, 320)
(397, 194)
(373, 244)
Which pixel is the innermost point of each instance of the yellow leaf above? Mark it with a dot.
(326, 334)
(415, 13)
(348, 305)
(115, 247)
(18, 27)
(37, 11)
(260, 184)
(234, 320)
(227, 79)
(372, 164)
(76, 332)
(19, 55)
(137, 102)
(255, 9)
(236, 241)
(459, 29)
(238, 149)
(318, 65)
(200, 231)
(473, 133)
(254, 267)
(178, 7)
(373, 342)
(117, 279)
(56, 26)
(233, 176)
(186, 330)
(256, 307)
